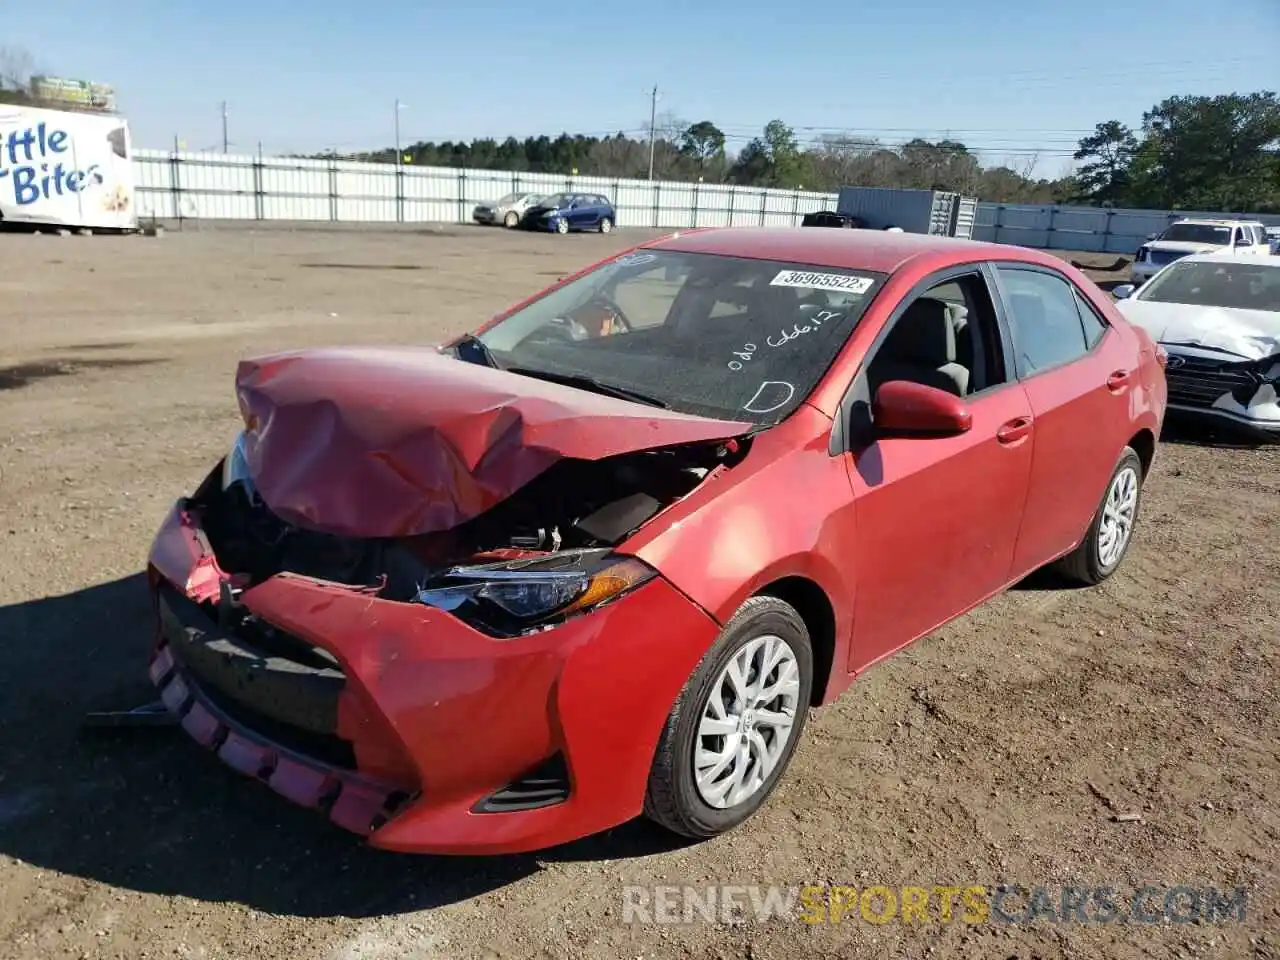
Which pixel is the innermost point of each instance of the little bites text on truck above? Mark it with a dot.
(37, 163)
(65, 168)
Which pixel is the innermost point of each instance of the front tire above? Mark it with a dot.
(734, 728)
(510, 220)
(562, 226)
(1105, 546)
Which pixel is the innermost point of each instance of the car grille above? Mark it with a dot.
(1160, 258)
(1198, 382)
(270, 683)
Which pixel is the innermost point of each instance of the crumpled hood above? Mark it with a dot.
(1249, 334)
(385, 442)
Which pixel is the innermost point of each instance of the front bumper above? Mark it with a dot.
(422, 721)
(1259, 427)
(540, 223)
(1210, 390)
(1142, 271)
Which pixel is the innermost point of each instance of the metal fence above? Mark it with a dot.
(1092, 229)
(182, 185)
(177, 185)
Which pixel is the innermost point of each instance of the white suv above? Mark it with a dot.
(1190, 236)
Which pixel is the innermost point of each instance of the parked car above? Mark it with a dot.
(603, 556)
(565, 212)
(1218, 318)
(829, 218)
(1190, 236)
(507, 211)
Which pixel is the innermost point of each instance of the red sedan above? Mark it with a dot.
(603, 556)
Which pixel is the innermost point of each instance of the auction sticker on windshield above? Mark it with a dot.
(822, 281)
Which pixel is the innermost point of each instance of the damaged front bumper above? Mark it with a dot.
(406, 725)
(1244, 393)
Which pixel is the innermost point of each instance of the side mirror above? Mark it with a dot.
(1151, 236)
(1124, 291)
(903, 407)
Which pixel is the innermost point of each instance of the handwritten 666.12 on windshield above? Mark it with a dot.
(784, 336)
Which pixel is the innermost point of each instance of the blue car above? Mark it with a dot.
(562, 212)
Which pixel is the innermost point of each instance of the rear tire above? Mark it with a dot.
(606, 225)
(768, 635)
(1107, 542)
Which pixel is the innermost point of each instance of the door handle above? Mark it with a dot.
(1014, 430)
(1118, 381)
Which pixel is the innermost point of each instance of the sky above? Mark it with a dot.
(1019, 82)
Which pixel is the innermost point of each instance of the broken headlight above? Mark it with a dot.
(235, 466)
(510, 597)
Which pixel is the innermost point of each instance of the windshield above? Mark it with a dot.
(511, 198)
(1197, 233)
(1203, 283)
(726, 337)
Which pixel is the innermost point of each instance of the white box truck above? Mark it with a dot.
(65, 168)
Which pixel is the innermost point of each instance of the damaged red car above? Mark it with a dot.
(601, 557)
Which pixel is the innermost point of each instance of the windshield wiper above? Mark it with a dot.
(590, 383)
(474, 350)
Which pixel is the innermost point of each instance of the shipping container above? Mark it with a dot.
(915, 211)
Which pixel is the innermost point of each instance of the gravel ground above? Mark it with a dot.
(1000, 749)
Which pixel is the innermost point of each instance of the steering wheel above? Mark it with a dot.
(559, 330)
(616, 311)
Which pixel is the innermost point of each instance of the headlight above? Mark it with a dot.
(235, 467)
(511, 597)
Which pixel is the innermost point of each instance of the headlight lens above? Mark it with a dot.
(511, 597)
(235, 467)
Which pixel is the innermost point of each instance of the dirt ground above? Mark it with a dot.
(997, 750)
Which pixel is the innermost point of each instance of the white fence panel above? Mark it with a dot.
(220, 186)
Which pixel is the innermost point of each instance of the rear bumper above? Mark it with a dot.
(422, 720)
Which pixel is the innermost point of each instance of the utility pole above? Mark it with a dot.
(653, 121)
(398, 155)
(225, 142)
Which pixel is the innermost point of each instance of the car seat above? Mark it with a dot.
(921, 348)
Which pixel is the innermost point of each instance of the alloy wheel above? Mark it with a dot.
(1117, 517)
(746, 722)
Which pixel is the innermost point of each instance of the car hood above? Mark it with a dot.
(391, 442)
(1249, 334)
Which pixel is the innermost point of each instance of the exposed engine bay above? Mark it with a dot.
(574, 504)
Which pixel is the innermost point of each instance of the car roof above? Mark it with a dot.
(1217, 221)
(1227, 256)
(876, 250)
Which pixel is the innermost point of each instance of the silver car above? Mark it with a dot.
(506, 211)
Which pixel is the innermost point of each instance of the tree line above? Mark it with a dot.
(1190, 152)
